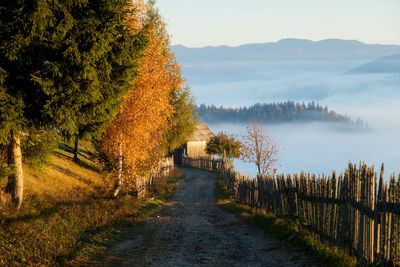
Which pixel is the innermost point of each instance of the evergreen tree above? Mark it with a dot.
(184, 118)
(272, 113)
(57, 58)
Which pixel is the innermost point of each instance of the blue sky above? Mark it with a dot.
(198, 23)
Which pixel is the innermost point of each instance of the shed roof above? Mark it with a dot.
(202, 133)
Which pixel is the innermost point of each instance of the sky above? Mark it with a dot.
(197, 23)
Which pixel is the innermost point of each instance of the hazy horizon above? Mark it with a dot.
(232, 22)
(282, 39)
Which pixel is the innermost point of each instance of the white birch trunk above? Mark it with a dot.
(15, 186)
(118, 182)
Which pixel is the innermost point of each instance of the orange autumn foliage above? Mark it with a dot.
(140, 127)
(137, 15)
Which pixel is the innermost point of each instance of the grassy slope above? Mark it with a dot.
(295, 236)
(66, 215)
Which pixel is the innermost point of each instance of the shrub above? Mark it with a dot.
(224, 142)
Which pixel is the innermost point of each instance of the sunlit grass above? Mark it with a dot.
(67, 216)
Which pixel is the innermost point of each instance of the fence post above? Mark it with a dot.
(351, 211)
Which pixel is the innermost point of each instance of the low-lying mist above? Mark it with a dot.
(313, 147)
(325, 88)
(324, 147)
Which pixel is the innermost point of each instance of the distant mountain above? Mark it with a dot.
(390, 64)
(288, 49)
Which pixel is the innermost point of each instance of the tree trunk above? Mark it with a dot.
(15, 185)
(76, 146)
(118, 182)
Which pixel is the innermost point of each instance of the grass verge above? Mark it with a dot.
(100, 251)
(66, 216)
(291, 232)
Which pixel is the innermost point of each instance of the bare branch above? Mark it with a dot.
(259, 149)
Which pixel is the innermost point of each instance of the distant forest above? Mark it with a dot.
(273, 113)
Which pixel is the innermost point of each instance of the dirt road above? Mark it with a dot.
(193, 231)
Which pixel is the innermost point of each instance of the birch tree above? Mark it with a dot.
(259, 149)
(56, 58)
(139, 132)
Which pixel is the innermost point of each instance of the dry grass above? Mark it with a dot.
(66, 214)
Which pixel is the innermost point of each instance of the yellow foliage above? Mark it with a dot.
(137, 15)
(144, 119)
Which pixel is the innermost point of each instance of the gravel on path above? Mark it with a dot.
(193, 231)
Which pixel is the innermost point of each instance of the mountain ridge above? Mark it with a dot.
(388, 64)
(287, 49)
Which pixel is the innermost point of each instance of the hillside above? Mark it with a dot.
(287, 49)
(273, 113)
(67, 213)
(389, 64)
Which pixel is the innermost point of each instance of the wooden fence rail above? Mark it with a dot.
(351, 211)
(355, 211)
(203, 163)
(143, 183)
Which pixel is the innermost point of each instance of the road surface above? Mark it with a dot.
(193, 231)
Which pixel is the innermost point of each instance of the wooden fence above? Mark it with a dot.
(143, 183)
(352, 211)
(203, 163)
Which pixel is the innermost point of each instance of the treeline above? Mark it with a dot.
(273, 113)
(95, 70)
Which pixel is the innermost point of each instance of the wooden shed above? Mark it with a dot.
(196, 145)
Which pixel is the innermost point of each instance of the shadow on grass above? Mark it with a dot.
(90, 238)
(76, 176)
(79, 162)
(55, 231)
(48, 212)
(81, 151)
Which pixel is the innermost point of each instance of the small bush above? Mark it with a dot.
(166, 184)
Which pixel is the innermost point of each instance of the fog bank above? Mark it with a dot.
(313, 147)
(323, 147)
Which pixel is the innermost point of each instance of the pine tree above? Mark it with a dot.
(57, 58)
(184, 118)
